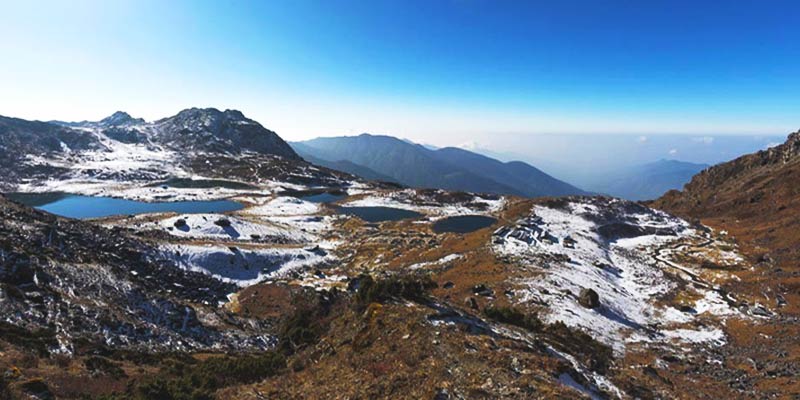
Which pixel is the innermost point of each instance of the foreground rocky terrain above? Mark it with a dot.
(294, 297)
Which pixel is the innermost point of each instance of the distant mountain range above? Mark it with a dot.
(648, 181)
(206, 141)
(348, 167)
(420, 166)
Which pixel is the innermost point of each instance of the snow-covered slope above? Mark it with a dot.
(621, 251)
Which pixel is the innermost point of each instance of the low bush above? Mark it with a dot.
(512, 316)
(410, 287)
(301, 329)
(103, 366)
(38, 340)
(596, 355)
(199, 380)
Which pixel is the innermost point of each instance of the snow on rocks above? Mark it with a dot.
(283, 206)
(444, 260)
(206, 226)
(130, 190)
(608, 246)
(244, 266)
(435, 204)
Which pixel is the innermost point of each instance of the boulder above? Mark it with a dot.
(589, 298)
(223, 222)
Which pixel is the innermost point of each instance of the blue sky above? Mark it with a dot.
(441, 72)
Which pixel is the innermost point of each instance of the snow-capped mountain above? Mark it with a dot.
(125, 149)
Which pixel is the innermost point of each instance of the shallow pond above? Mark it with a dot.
(463, 223)
(379, 214)
(76, 206)
(317, 195)
(323, 197)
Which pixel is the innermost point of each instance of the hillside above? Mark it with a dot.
(528, 179)
(449, 168)
(340, 165)
(756, 199)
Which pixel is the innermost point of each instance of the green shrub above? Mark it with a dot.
(308, 322)
(512, 316)
(393, 288)
(38, 340)
(36, 387)
(100, 365)
(597, 355)
(301, 329)
(198, 380)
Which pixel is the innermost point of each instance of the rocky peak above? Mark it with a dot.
(120, 118)
(791, 147)
(212, 130)
(206, 118)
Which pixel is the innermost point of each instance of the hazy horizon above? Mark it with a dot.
(442, 73)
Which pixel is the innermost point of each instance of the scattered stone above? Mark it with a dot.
(442, 394)
(760, 311)
(471, 302)
(482, 290)
(687, 309)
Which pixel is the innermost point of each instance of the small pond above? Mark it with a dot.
(379, 214)
(317, 195)
(324, 197)
(76, 206)
(462, 223)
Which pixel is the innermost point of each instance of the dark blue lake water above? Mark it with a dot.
(462, 223)
(379, 214)
(324, 197)
(76, 206)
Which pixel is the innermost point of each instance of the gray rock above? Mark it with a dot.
(589, 298)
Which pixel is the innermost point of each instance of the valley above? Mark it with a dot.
(326, 285)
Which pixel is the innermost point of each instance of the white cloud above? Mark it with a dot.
(771, 145)
(673, 152)
(471, 145)
(642, 139)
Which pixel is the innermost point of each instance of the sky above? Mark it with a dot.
(442, 72)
